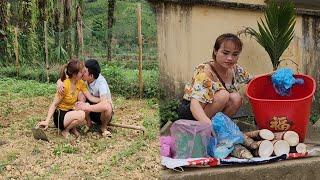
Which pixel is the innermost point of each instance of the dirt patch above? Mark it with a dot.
(128, 153)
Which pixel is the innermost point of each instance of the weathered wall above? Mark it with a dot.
(186, 34)
(174, 46)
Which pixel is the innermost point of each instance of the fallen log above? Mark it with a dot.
(280, 147)
(260, 134)
(290, 136)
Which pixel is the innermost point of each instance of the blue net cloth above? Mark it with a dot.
(283, 80)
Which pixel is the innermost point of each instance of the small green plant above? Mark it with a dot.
(168, 111)
(277, 31)
(314, 117)
(65, 148)
(35, 151)
(132, 149)
(106, 170)
(32, 121)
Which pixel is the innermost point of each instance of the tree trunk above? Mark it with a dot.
(26, 17)
(68, 27)
(79, 33)
(56, 23)
(28, 42)
(111, 7)
(42, 17)
(3, 30)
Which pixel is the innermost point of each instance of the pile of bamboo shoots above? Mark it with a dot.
(264, 143)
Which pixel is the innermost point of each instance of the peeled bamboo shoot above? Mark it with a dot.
(290, 136)
(265, 149)
(250, 143)
(300, 148)
(281, 147)
(241, 152)
(261, 134)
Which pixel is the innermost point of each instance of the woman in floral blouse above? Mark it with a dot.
(215, 84)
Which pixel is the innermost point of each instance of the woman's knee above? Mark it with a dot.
(222, 97)
(235, 99)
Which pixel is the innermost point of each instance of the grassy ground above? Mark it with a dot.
(128, 154)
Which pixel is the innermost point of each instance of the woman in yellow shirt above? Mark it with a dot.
(65, 117)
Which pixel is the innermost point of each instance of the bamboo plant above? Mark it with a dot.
(277, 30)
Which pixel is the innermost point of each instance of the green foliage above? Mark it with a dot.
(314, 117)
(131, 65)
(59, 54)
(124, 30)
(29, 73)
(168, 111)
(276, 33)
(65, 148)
(132, 149)
(32, 121)
(26, 88)
(97, 27)
(121, 81)
(125, 82)
(27, 16)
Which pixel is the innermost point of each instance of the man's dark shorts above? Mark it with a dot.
(96, 116)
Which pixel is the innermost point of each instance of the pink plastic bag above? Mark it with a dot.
(166, 145)
(191, 138)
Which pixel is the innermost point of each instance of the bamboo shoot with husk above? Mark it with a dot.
(300, 148)
(250, 143)
(261, 134)
(241, 152)
(280, 147)
(290, 136)
(265, 149)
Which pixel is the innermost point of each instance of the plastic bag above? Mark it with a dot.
(191, 139)
(228, 134)
(223, 150)
(212, 146)
(166, 144)
(226, 130)
(283, 81)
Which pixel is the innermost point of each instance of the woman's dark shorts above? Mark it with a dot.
(184, 111)
(58, 118)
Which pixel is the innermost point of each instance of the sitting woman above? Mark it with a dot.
(65, 117)
(215, 84)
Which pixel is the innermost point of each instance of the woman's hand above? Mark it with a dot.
(43, 124)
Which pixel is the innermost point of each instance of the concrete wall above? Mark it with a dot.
(186, 33)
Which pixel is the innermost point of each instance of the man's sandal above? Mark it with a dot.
(106, 133)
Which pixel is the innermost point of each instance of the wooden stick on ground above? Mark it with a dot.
(128, 127)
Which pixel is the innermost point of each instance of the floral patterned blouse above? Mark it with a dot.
(203, 87)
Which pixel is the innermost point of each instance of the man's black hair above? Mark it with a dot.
(93, 67)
